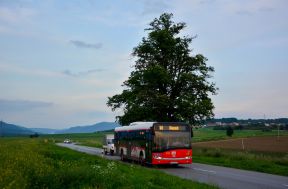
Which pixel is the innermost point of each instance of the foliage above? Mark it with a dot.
(35, 135)
(229, 131)
(168, 83)
(252, 124)
(37, 163)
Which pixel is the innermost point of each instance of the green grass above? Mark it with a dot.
(38, 163)
(208, 134)
(273, 163)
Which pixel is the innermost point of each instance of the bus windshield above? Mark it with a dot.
(165, 140)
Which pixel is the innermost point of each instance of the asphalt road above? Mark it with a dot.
(227, 178)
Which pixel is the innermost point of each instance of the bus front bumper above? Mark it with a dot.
(182, 160)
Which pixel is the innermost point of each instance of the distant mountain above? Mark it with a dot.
(102, 126)
(44, 130)
(7, 129)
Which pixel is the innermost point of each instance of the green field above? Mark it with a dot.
(86, 139)
(200, 135)
(274, 163)
(208, 134)
(39, 163)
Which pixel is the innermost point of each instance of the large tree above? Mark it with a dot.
(168, 83)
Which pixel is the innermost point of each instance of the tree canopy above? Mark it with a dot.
(168, 84)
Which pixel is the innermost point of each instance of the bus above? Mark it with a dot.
(155, 142)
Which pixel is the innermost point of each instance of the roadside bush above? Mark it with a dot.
(229, 131)
(267, 129)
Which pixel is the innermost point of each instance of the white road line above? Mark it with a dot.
(197, 169)
(286, 185)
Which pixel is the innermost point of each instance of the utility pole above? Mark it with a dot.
(1, 128)
(278, 132)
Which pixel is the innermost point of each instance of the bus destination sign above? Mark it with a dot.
(171, 128)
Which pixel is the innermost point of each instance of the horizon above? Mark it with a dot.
(60, 60)
(92, 124)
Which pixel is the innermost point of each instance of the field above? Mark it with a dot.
(200, 135)
(263, 156)
(39, 163)
(86, 139)
(208, 134)
(262, 151)
(257, 144)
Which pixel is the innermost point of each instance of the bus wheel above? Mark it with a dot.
(141, 159)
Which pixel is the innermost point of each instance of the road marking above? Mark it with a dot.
(285, 185)
(197, 169)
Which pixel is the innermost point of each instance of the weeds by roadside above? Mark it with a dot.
(37, 163)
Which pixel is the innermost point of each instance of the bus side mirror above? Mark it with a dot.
(192, 133)
(151, 135)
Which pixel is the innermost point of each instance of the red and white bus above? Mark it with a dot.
(155, 142)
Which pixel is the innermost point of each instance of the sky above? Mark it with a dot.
(60, 60)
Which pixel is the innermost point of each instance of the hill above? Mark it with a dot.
(44, 130)
(102, 126)
(7, 129)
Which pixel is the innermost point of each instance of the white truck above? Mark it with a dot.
(108, 144)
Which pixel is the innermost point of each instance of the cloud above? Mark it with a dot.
(16, 15)
(21, 105)
(82, 44)
(154, 6)
(10, 68)
(252, 7)
(206, 1)
(88, 72)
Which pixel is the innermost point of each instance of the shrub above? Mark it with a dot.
(229, 131)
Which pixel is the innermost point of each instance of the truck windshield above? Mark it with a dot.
(165, 140)
(110, 141)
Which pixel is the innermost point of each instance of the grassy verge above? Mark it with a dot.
(38, 163)
(273, 163)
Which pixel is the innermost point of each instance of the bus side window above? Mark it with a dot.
(125, 135)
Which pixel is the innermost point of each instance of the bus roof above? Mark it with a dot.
(136, 126)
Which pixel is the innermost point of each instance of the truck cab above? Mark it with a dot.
(108, 144)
